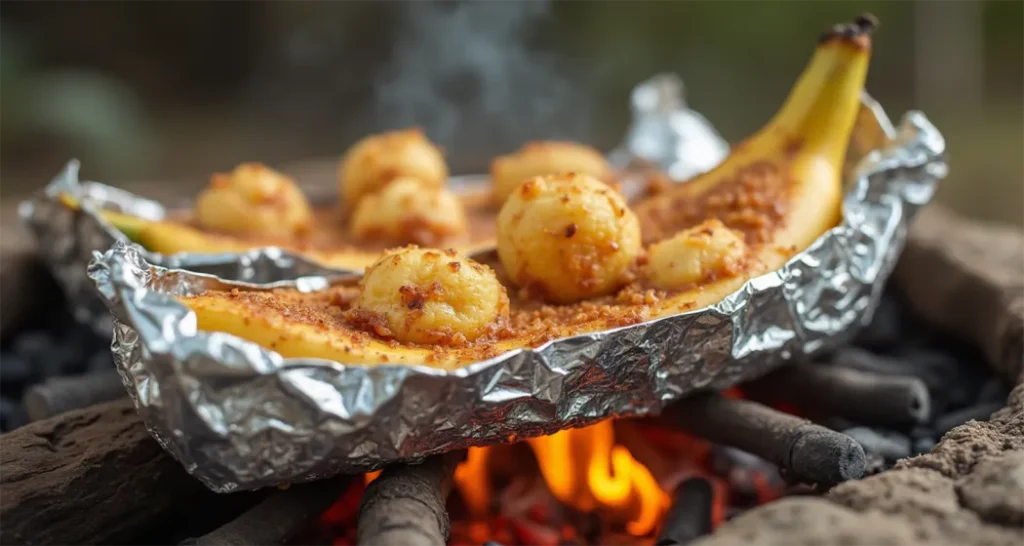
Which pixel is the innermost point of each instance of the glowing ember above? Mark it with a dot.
(609, 483)
(585, 469)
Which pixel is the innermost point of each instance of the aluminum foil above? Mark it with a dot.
(68, 238)
(666, 133)
(239, 416)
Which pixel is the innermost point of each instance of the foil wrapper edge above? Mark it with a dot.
(664, 132)
(241, 417)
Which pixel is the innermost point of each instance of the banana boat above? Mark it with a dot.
(393, 190)
(573, 256)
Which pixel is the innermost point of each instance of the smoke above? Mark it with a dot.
(465, 73)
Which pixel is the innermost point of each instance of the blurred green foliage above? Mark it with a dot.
(100, 117)
(175, 90)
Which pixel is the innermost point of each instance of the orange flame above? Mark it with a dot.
(585, 469)
(472, 479)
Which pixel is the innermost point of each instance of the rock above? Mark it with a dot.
(964, 446)
(979, 295)
(995, 489)
(968, 490)
(811, 521)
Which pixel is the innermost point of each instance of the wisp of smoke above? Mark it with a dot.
(464, 73)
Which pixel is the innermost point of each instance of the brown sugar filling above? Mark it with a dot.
(330, 232)
(754, 203)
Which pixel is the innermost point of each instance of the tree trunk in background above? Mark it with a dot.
(949, 55)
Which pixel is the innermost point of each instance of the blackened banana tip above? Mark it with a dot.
(867, 22)
(860, 29)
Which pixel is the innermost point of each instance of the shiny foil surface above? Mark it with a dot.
(664, 133)
(239, 416)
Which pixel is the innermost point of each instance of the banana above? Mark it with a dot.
(171, 237)
(782, 185)
(777, 192)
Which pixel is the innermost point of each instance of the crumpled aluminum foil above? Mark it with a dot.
(68, 238)
(239, 416)
(666, 133)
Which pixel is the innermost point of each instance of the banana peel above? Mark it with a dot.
(804, 144)
(803, 147)
(170, 237)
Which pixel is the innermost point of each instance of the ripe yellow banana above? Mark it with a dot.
(794, 164)
(781, 188)
(169, 237)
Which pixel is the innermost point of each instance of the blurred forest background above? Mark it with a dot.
(172, 91)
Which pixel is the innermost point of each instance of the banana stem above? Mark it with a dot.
(826, 99)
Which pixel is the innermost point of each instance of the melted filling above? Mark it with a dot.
(330, 230)
(531, 323)
(753, 202)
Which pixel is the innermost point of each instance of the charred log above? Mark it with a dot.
(804, 451)
(690, 515)
(90, 476)
(278, 518)
(864, 397)
(65, 393)
(406, 504)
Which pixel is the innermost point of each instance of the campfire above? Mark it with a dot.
(664, 466)
(662, 481)
(669, 479)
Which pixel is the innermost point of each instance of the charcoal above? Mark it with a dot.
(12, 415)
(978, 412)
(862, 396)
(741, 469)
(62, 360)
(923, 445)
(101, 360)
(951, 382)
(802, 490)
(886, 327)
(65, 393)
(79, 338)
(805, 451)
(875, 464)
(921, 431)
(33, 343)
(995, 389)
(690, 515)
(38, 349)
(15, 369)
(954, 381)
(836, 423)
(914, 364)
(283, 513)
(890, 445)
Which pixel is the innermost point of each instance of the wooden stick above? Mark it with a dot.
(806, 452)
(864, 397)
(278, 518)
(690, 516)
(89, 476)
(65, 393)
(406, 504)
